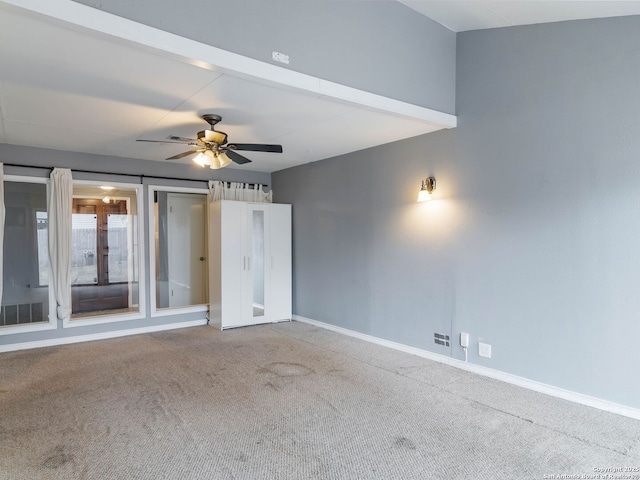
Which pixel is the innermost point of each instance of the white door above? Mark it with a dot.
(233, 263)
(187, 246)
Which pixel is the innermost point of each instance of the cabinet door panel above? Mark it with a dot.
(232, 228)
(280, 262)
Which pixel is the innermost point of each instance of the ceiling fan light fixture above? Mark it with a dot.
(224, 160)
(212, 159)
(201, 160)
(215, 164)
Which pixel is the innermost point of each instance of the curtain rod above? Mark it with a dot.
(132, 174)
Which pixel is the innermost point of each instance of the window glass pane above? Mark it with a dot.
(104, 251)
(84, 238)
(118, 229)
(42, 226)
(181, 266)
(25, 297)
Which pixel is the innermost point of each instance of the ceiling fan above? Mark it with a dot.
(212, 147)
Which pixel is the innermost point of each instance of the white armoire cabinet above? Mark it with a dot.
(250, 263)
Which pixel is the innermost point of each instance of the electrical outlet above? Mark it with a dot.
(484, 350)
(464, 339)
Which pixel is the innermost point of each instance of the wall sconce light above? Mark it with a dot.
(428, 186)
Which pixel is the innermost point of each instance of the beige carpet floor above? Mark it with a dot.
(285, 401)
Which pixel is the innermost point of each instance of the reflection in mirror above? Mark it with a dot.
(180, 249)
(257, 264)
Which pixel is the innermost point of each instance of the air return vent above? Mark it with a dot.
(441, 339)
(22, 313)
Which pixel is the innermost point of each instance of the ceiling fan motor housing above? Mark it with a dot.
(212, 136)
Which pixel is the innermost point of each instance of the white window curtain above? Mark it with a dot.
(59, 206)
(242, 192)
(2, 214)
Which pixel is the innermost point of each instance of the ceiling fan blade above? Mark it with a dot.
(159, 141)
(183, 139)
(183, 154)
(236, 157)
(255, 147)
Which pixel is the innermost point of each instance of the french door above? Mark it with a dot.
(99, 260)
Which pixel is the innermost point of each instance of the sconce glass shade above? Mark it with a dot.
(428, 186)
(424, 196)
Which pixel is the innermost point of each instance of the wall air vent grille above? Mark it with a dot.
(22, 313)
(441, 339)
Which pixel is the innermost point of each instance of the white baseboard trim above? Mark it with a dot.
(575, 397)
(53, 342)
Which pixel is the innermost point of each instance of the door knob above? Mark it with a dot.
(202, 259)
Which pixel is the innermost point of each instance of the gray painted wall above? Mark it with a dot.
(531, 241)
(382, 47)
(28, 158)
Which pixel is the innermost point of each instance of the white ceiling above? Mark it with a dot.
(67, 87)
(462, 15)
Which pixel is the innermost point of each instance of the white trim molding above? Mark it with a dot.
(551, 390)
(53, 342)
